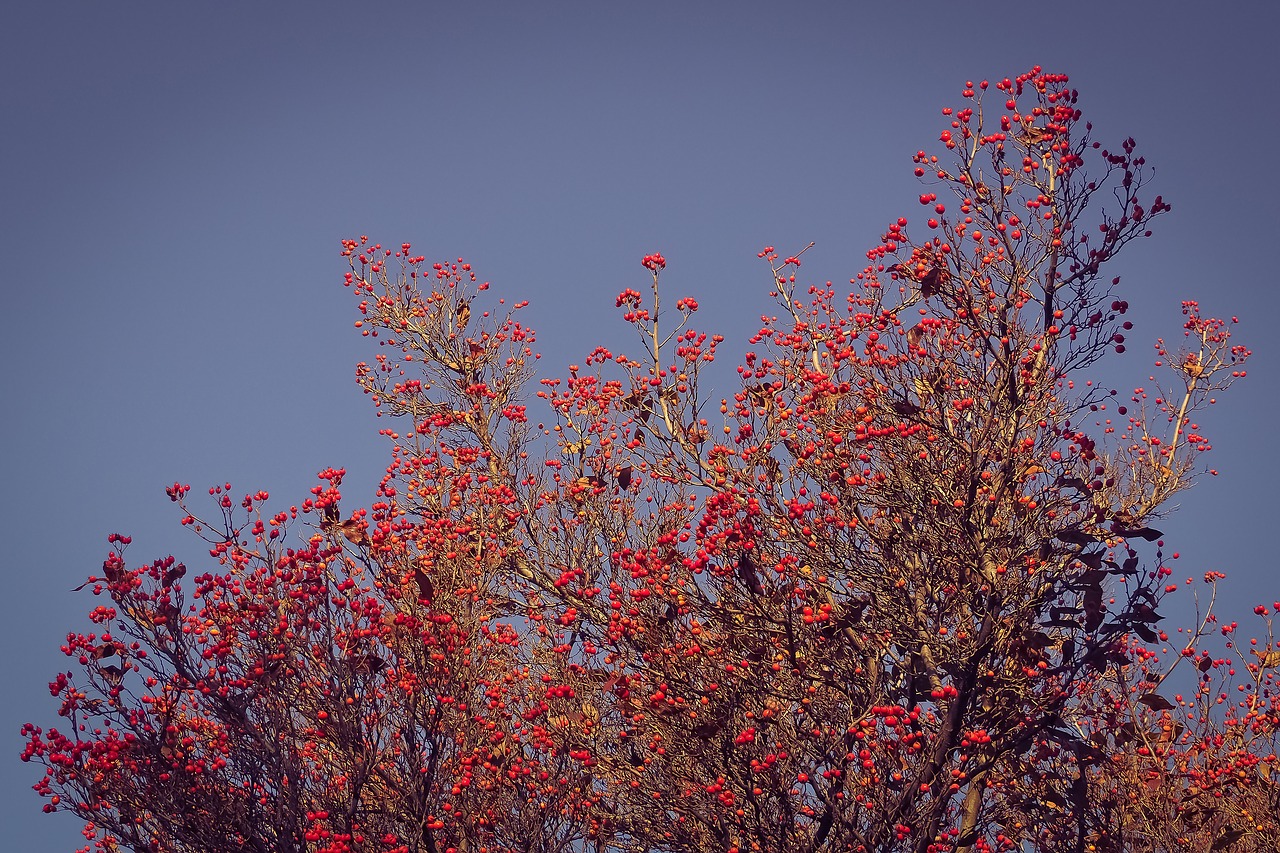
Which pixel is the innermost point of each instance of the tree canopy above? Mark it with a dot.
(898, 590)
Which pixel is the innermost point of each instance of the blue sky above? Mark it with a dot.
(176, 178)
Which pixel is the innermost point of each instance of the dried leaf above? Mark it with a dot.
(931, 282)
(426, 590)
(113, 674)
(1269, 659)
(1093, 610)
(904, 408)
(1032, 135)
(1226, 839)
(106, 650)
(707, 730)
(1077, 537)
(1092, 560)
(748, 574)
(634, 400)
(366, 664)
(1156, 702)
(1145, 633)
(1147, 533)
(761, 397)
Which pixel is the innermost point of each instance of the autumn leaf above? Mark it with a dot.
(1156, 702)
(426, 589)
(623, 476)
(354, 532)
(1227, 838)
(367, 664)
(1269, 659)
(748, 574)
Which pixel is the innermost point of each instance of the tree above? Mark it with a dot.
(898, 591)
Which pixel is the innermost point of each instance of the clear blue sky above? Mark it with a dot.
(176, 177)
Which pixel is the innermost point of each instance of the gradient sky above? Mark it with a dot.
(177, 176)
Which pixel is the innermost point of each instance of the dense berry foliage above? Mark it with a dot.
(897, 591)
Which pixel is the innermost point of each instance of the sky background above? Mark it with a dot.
(175, 178)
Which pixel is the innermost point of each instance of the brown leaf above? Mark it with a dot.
(353, 531)
(113, 674)
(1053, 801)
(1147, 533)
(1143, 613)
(931, 282)
(1156, 702)
(1032, 135)
(1093, 610)
(634, 400)
(426, 590)
(1269, 659)
(761, 396)
(707, 730)
(106, 650)
(747, 572)
(366, 664)
(1226, 839)
(464, 315)
(1077, 537)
